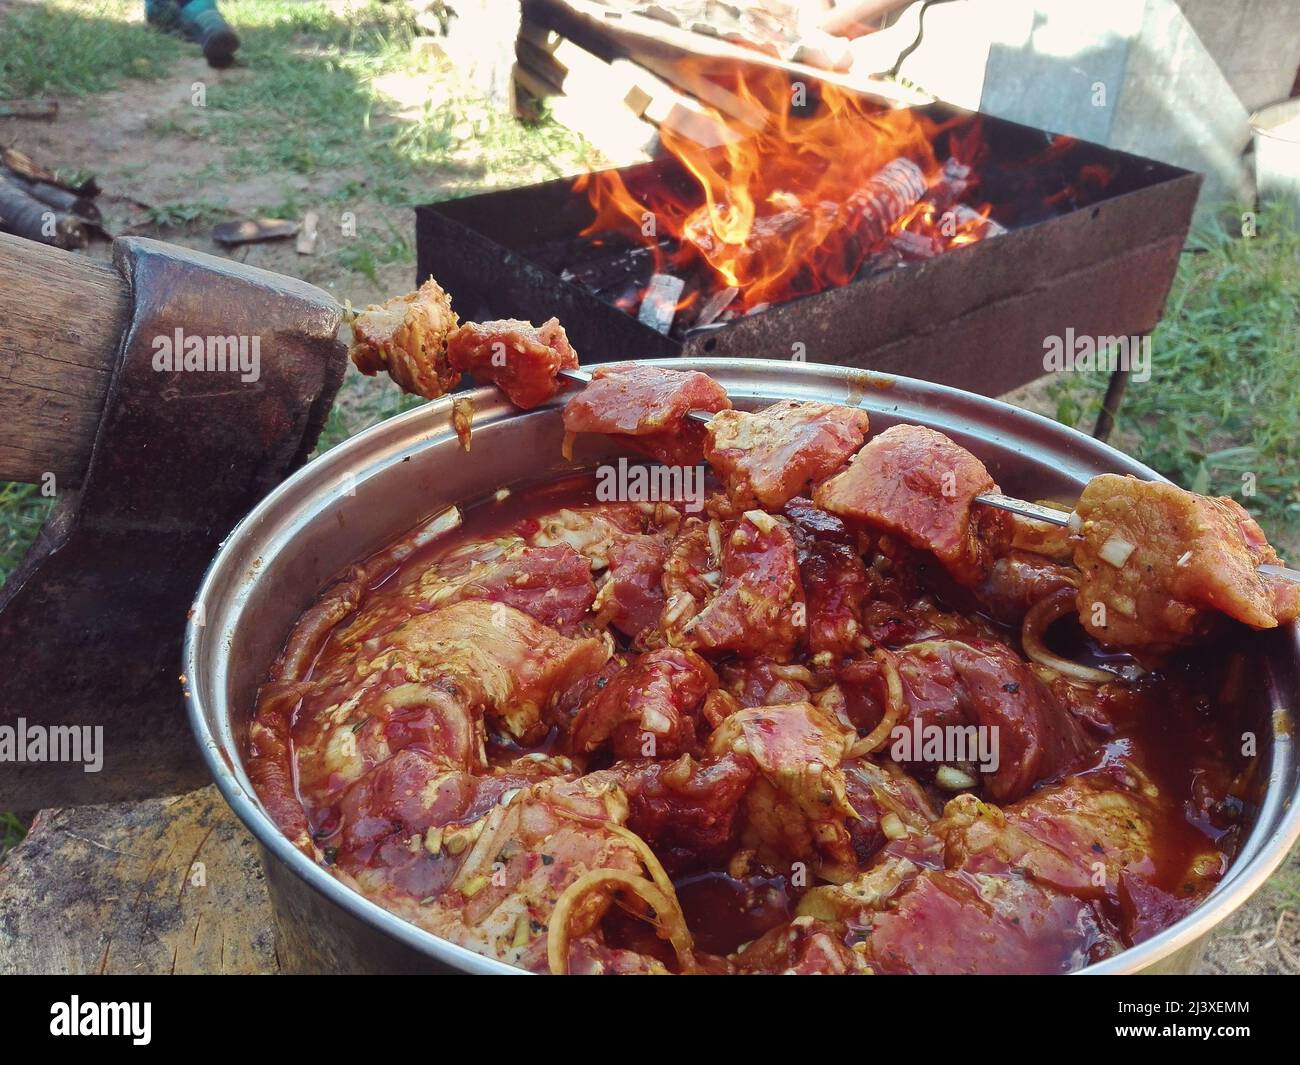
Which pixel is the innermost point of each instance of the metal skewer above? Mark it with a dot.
(1021, 507)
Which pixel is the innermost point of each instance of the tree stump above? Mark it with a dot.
(167, 885)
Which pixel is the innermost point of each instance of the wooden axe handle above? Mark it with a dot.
(62, 317)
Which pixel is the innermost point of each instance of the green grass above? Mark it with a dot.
(313, 107)
(67, 48)
(1223, 401)
(22, 513)
(12, 830)
(183, 213)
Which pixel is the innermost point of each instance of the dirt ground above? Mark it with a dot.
(144, 142)
(130, 140)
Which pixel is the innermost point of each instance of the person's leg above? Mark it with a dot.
(202, 22)
(198, 20)
(165, 14)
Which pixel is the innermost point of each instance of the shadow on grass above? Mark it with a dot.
(309, 105)
(59, 49)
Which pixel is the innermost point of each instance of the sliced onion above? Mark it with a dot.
(894, 706)
(1041, 616)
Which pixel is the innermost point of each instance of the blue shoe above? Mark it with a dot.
(201, 22)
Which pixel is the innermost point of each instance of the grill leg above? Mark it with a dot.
(1110, 405)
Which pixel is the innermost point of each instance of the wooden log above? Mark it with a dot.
(23, 165)
(42, 108)
(574, 71)
(64, 199)
(61, 319)
(170, 885)
(22, 214)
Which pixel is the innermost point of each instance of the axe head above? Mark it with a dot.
(220, 387)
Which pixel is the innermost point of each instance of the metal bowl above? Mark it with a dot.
(363, 494)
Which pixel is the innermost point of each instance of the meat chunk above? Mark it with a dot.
(758, 607)
(645, 408)
(632, 598)
(1162, 564)
(649, 709)
(803, 947)
(799, 809)
(916, 484)
(835, 583)
(890, 806)
(612, 539)
(494, 657)
(764, 682)
(520, 358)
(686, 810)
(594, 532)
(767, 458)
(949, 923)
(552, 585)
(1077, 837)
(402, 796)
(951, 688)
(407, 336)
(1017, 581)
(524, 855)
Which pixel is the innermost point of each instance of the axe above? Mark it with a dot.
(156, 400)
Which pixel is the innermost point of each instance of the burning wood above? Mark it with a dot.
(715, 306)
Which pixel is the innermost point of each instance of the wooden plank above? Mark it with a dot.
(170, 885)
(686, 77)
(61, 318)
(609, 126)
(635, 36)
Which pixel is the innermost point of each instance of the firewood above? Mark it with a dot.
(686, 77)
(308, 233)
(542, 66)
(866, 215)
(24, 215)
(608, 126)
(534, 83)
(853, 17)
(634, 36)
(23, 165)
(63, 199)
(253, 230)
(42, 108)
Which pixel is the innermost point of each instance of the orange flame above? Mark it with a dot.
(789, 208)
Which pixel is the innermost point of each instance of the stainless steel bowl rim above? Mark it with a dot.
(274, 522)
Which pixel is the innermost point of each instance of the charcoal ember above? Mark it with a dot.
(612, 268)
(913, 246)
(951, 186)
(659, 303)
(984, 227)
(878, 262)
(713, 307)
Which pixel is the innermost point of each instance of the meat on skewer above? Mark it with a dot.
(1162, 562)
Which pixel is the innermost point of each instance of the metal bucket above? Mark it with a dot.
(1276, 133)
(363, 494)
